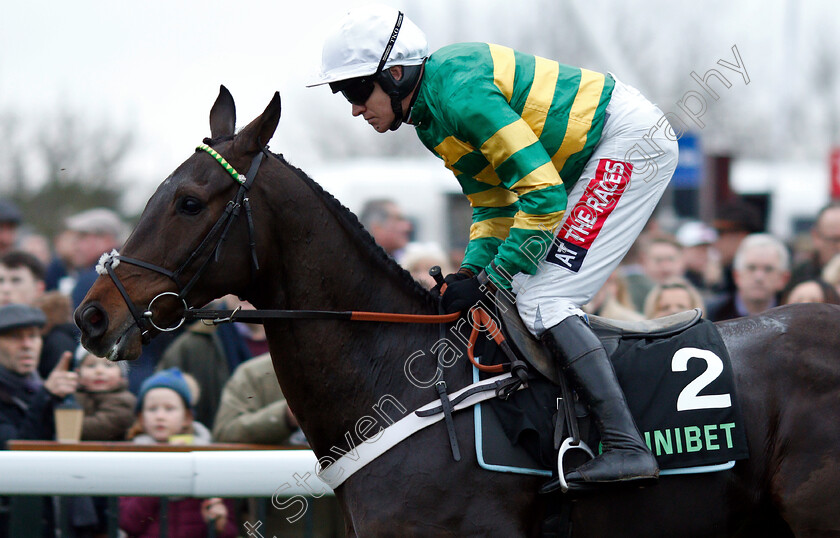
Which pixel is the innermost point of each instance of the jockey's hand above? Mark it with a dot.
(462, 274)
(461, 295)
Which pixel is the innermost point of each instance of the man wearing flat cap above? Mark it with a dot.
(26, 400)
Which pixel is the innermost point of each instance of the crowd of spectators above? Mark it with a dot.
(180, 389)
(728, 267)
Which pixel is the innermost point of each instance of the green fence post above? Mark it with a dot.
(26, 516)
(113, 514)
(164, 517)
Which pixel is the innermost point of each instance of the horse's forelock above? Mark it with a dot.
(218, 140)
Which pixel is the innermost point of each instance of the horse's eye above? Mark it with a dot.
(189, 205)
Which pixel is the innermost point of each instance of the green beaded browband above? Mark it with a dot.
(239, 178)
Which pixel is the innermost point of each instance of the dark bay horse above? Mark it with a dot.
(311, 253)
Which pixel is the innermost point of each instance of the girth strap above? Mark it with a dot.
(447, 415)
(364, 453)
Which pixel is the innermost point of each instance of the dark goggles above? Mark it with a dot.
(356, 90)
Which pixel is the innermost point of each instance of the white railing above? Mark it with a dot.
(238, 473)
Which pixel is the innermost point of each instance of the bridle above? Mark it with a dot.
(218, 232)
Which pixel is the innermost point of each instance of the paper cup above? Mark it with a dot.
(68, 425)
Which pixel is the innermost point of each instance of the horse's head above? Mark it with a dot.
(194, 241)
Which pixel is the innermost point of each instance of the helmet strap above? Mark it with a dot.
(395, 100)
(416, 91)
(396, 106)
(398, 90)
(393, 39)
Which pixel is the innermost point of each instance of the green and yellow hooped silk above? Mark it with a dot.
(517, 131)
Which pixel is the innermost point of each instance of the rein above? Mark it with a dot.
(480, 321)
(260, 316)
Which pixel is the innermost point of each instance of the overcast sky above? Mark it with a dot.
(155, 66)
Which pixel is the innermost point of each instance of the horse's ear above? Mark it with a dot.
(223, 114)
(257, 134)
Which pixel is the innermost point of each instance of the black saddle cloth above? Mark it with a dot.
(679, 389)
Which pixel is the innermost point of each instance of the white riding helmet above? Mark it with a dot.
(355, 47)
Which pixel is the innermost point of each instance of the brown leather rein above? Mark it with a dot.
(260, 316)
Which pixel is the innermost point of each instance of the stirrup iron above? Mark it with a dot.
(569, 444)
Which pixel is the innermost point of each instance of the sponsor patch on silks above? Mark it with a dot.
(587, 217)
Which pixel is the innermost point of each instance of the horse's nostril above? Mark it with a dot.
(95, 318)
(93, 321)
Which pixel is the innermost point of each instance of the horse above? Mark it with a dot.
(294, 246)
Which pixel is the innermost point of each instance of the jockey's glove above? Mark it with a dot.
(463, 294)
(462, 274)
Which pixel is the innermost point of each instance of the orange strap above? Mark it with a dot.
(480, 318)
(403, 318)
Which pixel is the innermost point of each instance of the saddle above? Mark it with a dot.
(610, 331)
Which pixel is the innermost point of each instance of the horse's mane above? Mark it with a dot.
(351, 222)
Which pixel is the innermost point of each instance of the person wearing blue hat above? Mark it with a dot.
(164, 415)
(171, 378)
(165, 410)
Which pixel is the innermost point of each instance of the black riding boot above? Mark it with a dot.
(625, 455)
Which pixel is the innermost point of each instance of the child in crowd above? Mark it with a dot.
(104, 397)
(108, 413)
(164, 415)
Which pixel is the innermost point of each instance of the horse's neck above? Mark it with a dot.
(331, 264)
(334, 372)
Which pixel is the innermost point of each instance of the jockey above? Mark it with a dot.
(562, 166)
